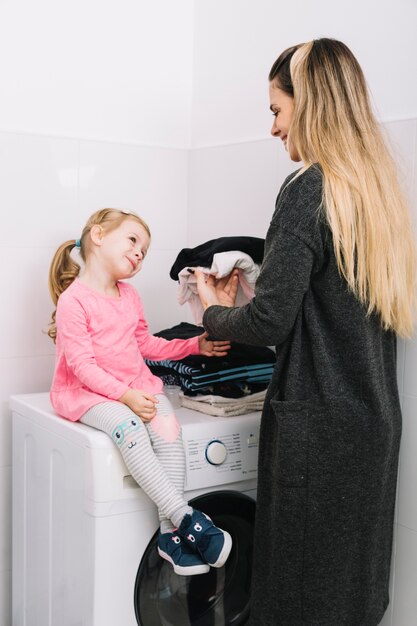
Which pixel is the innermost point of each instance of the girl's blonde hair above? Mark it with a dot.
(333, 125)
(64, 269)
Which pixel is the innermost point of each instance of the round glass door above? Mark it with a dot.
(218, 598)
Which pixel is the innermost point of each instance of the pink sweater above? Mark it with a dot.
(100, 347)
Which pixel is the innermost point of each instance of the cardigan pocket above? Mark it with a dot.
(291, 442)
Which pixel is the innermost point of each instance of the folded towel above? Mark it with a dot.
(224, 407)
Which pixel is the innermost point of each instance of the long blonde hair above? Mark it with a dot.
(64, 269)
(333, 125)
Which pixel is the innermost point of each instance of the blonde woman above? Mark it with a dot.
(336, 287)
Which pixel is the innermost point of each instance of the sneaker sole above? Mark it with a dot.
(227, 546)
(192, 570)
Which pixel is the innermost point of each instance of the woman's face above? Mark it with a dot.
(282, 107)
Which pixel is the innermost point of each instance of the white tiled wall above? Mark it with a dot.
(232, 188)
(49, 186)
(237, 41)
(107, 70)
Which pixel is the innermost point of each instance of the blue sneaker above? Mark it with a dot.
(184, 560)
(212, 543)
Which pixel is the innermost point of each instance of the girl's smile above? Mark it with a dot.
(129, 242)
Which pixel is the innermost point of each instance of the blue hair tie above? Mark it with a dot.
(78, 243)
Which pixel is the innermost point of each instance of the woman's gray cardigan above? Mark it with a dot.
(330, 428)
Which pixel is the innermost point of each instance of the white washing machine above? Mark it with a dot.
(84, 533)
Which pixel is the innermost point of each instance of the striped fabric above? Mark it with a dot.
(157, 466)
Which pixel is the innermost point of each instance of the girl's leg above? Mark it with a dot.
(197, 536)
(165, 434)
(127, 430)
(196, 529)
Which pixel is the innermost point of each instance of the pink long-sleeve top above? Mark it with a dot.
(100, 346)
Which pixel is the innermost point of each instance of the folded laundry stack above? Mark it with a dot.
(229, 385)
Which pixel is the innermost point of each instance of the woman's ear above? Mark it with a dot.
(96, 234)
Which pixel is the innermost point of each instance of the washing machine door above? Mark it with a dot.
(218, 598)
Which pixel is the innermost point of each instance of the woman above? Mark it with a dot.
(336, 286)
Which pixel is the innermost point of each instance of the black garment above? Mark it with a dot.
(183, 330)
(238, 355)
(242, 366)
(203, 254)
(330, 430)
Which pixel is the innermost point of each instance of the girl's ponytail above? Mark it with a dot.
(62, 273)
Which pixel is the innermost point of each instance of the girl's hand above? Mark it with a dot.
(222, 291)
(141, 403)
(212, 348)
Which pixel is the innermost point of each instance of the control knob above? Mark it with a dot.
(216, 452)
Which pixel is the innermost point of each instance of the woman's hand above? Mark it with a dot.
(141, 403)
(222, 291)
(212, 348)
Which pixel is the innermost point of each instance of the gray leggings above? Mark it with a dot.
(153, 453)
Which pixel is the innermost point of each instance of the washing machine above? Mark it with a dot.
(84, 533)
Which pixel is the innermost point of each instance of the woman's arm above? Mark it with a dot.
(284, 279)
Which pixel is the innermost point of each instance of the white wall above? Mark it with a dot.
(236, 42)
(162, 107)
(97, 69)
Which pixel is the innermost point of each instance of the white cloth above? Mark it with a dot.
(223, 263)
(224, 407)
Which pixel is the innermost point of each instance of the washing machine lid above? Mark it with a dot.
(218, 598)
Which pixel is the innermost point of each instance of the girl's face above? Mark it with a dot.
(122, 250)
(282, 107)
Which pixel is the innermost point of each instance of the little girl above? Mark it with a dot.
(101, 379)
